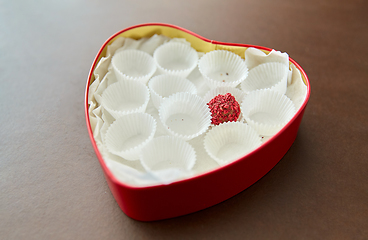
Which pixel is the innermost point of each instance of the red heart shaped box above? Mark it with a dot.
(207, 189)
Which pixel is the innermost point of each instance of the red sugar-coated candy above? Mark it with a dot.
(224, 108)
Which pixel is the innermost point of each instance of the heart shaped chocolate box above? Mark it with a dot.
(149, 130)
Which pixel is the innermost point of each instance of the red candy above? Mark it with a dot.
(224, 108)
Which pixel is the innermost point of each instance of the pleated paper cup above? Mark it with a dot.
(162, 86)
(238, 94)
(222, 68)
(134, 65)
(267, 111)
(185, 115)
(175, 58)
(230, 141)
(127, 135)
(166, 156)
(125, 97)
(272, 75)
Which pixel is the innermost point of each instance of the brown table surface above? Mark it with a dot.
(51, 183)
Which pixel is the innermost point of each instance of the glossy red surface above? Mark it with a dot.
(205, 190)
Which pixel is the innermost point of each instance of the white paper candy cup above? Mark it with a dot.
(125, 97)
(162, 86)
(168, 154)
(229, 141)
(175, 58)
(272, 75)
(185, 115)
(133, 64)
(222, 68)
(267, 111)
(129, 134)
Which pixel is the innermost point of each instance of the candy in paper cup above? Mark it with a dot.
(267, 111)
(168, 158)
(224, 108)
(185, 115)
(230, 141)
(221, 68)
(127, 135)
(133, 64)
(271, 75)
(162, 86)
(175, 58)
(238, 94)
(125, 97)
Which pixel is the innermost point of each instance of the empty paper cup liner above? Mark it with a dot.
(176, 58)
(267, 111)
(185, 115)
(272, 75)
(133, 64)
(222, 68)
(125, 97)
(127, 135)
(230, 141)
(168, 158)
(162, 86)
